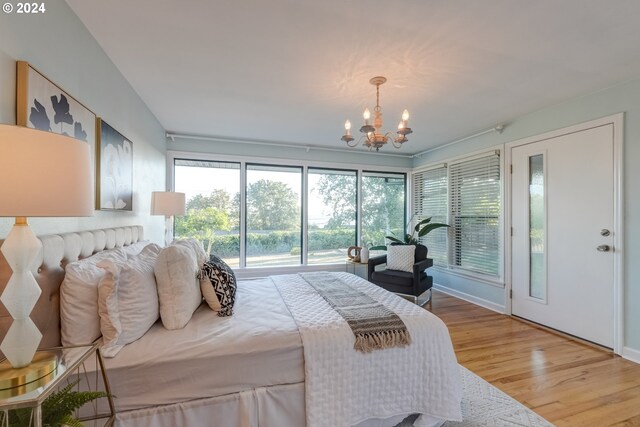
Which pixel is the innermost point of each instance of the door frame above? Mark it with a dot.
(617, 120)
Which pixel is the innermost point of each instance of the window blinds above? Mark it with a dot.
(430, 200)
(475, 214)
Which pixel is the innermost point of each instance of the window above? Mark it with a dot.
(466, 195)
(475, 214)
(430, 201)
(212, 191)
(268, 215)
(383, 207)
(274, 215)
(331, 218)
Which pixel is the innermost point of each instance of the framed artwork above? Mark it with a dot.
(41, 104)
(114, 189)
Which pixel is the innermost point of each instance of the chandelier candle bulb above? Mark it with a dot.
(347, 127)
(366, 115)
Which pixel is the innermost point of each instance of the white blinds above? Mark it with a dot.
(430, 200)
(475, 214)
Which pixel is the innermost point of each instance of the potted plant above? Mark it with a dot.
(421, 229)
(57, 409)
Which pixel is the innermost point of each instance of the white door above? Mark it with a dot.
(562, 244)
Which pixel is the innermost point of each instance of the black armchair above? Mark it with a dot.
(402, 282)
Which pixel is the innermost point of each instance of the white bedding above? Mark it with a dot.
(344, 387)
(249, 369)
(212, 356)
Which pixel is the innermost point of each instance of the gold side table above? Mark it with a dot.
(50, 370)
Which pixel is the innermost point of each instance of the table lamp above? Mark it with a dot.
(41, 174)
(168, 203)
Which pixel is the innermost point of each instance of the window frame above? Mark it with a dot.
(260, 271)
(244, 170)
(305, 246)
(360, 195)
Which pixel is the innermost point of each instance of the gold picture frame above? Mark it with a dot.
(42, 104)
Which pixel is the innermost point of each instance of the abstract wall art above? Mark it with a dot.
(41, 104)
(115, 169)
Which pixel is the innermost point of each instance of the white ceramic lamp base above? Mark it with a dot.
(20, 295)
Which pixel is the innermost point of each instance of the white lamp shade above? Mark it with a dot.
(44, 174)
(167, 203)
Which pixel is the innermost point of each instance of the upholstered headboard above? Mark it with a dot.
(57, 251)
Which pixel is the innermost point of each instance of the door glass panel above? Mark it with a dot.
(537, 276)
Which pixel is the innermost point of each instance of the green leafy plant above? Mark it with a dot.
(58, 408)
(421, 229)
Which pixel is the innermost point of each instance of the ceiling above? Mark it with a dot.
(292, 71)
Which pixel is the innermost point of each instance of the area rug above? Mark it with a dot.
(483, 405)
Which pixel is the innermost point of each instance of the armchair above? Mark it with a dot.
(411, 284)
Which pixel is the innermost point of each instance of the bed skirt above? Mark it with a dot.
(280, 405)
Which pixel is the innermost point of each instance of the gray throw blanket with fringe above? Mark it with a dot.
(374, 325)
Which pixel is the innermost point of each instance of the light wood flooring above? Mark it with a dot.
(567, 382)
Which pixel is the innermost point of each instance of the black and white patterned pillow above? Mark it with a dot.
(223, 281)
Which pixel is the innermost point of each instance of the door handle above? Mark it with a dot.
(603, 248)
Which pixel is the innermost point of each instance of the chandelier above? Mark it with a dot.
(372, 136)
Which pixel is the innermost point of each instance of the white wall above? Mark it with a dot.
(622, 98)
(57, 44)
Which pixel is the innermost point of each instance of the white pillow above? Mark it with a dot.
(197, 248)
(401, 257)
(79, 319)
(127, 300)
(178, 288)
(136, 248)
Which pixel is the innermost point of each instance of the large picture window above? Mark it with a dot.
(331, 217)
(383, 207)
(212, 191)
(270, 215)
(274, 215)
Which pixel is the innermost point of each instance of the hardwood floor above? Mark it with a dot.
(567, 382)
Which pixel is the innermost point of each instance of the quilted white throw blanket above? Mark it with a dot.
(344, 387)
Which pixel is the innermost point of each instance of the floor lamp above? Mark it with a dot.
(168, 203)
(41, 174)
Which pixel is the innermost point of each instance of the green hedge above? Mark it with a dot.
(228, 245)
(281, 241)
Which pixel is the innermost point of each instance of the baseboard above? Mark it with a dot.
(470, 298)
(631, 354)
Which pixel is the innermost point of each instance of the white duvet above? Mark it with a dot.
(344, 387)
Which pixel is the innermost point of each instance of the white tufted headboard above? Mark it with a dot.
(57, 251)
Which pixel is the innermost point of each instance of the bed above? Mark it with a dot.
(269, 364)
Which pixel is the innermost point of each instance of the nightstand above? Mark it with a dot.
(358, 268)
(50, 370)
